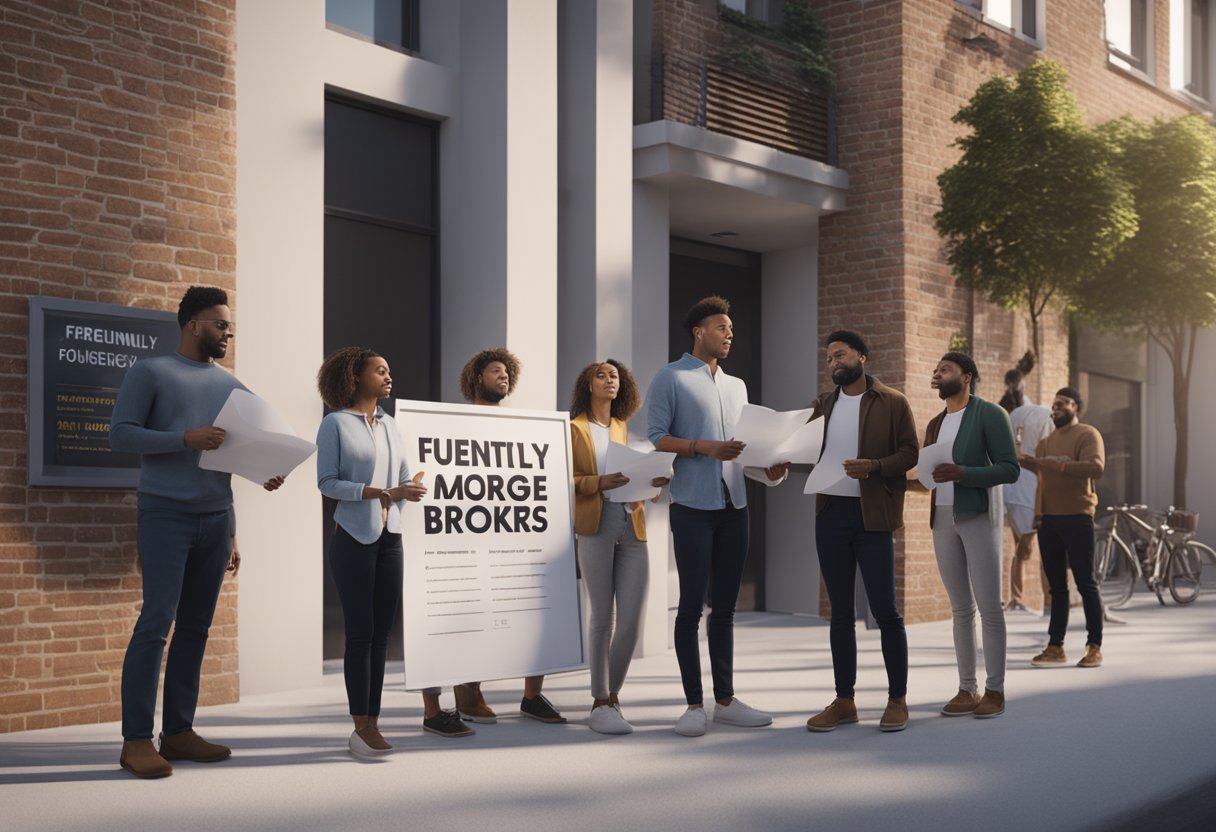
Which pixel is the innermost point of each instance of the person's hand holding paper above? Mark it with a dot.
(258, 444)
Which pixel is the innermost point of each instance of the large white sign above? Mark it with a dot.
(490, 583)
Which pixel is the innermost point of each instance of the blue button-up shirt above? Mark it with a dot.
(688, 401)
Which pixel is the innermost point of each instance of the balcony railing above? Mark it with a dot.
(705, 93)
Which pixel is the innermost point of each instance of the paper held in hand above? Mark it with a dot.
(931, 456)
(773, 438)
(259, 445)
(641, 467)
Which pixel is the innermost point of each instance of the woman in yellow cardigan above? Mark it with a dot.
(611, 536)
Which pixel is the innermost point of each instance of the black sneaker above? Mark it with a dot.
(447, 724)
(540, 708)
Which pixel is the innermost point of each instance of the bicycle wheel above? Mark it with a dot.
(1184, 572)
(1115, 571)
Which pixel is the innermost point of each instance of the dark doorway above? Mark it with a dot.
(698, 270)
(381, 226)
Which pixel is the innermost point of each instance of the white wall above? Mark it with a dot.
(285, 59)
(790, 295)
(1160, 434)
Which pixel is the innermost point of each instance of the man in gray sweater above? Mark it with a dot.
(186, 531)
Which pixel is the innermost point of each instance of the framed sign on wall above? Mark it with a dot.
(79, 353)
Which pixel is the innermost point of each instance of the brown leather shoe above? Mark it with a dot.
(140, 758)
(1092, 657)
(840, 712)
(963, 703)
(190, 746)
(895, 717)
(1052, 656)
(993, 704)
(472, 706)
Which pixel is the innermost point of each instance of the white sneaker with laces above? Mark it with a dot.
(608, 719)
(692, 723)
(738, 713)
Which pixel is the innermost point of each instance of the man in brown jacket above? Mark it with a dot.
(870, 427)
(1067, 462)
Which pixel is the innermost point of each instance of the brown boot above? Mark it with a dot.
(840, 712)
(140, 758)
(190, 746)
(1052, 656)
(962, 704)
(895, 717)
(472, 705)
(993, 704)
(1092, 657)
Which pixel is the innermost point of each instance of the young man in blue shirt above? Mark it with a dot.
(692, 408)
(186, 530)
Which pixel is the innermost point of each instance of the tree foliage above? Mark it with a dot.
(1033, 208)
(1161, 284)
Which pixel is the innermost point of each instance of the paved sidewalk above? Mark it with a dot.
(1076, 750)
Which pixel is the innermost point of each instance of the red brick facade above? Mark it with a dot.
(903, 71)
(117, 184)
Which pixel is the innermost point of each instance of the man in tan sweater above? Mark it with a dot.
(1067, 462)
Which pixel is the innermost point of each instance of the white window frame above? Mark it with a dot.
(980, 9)
(1180, 53)
(1124, 61)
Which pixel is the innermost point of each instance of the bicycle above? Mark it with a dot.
(1172, 559)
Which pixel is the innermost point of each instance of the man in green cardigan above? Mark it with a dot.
(967, 522)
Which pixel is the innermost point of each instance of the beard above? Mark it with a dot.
(1062, 421)
(946, 389)
(213, 349)
(844, 376)
(491, 396)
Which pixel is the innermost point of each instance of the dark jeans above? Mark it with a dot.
(845, 546)
(708, 544)
(368, 577)
(183, 558)
(1067, 542)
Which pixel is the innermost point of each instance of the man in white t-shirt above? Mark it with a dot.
(1031, 424)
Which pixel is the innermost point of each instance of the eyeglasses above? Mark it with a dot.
(220, 324)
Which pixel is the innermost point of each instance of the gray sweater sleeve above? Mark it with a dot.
(128, 431)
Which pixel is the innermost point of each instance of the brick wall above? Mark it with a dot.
(903, 72)
(117, 184)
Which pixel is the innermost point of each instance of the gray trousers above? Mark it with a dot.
(969, 558)
(616, 572)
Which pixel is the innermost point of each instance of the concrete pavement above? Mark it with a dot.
(1076, 750)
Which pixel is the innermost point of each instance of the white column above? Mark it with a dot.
(280, 287)
(651, 262)
(499, 214)
(790, 290)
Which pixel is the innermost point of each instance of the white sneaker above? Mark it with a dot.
(737, 713)
(361, 749)
(608, 719)
(692, 723)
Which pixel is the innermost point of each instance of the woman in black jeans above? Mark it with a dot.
(360, 464)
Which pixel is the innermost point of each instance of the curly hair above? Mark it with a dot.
(470, 376)
(627, 400)
(198, 298)
(338, 377)
(702, 309)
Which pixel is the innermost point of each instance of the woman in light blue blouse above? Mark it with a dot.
(360, 464)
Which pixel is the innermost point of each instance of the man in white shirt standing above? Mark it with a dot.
(1031, 424)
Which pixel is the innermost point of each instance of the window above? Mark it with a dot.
(1129, 34)
(1191, 43)
(392, 23)
(1023, 17)
(768, 11)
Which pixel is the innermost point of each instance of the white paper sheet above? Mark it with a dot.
(772, 437)
(259, 444)
(932, 456)
(824, 475)
(641, 467)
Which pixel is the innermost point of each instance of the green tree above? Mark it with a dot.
(1161, 283)
(1033, 207)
